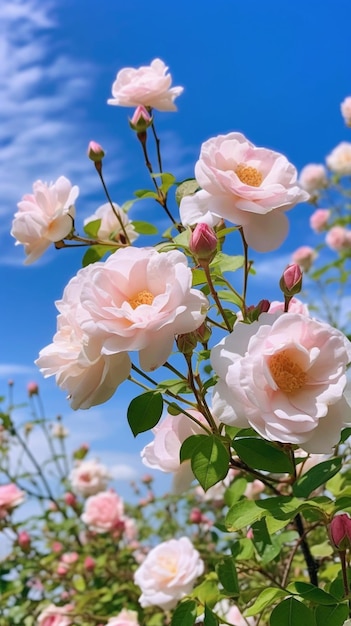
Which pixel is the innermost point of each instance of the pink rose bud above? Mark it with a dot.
(62, 569)
(70, 499)
(203, 243)
(254, 312)
(89, 564)
(70, 557)
(95, 152)
(141, 119)
(195, 516)
(250, 534)
(24, 540)
(186, 343)
(291, 280)
(203, 333)
(340, 532)
(147, 479)
(57, 547)
(32, 389)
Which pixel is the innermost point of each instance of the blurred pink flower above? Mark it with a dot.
(319, 220)
(32, 389)
(110, 228)
(304, 257)
(124, 618)
(104, 512)
(168, 573)
(285, 376)
(44, 217)
(295, 306)
(339, 160)
(24, 540)
(246, 185)
(148, 85)
(10, 497)
(89, 477)
(55, 616)
(346, 110)
(163, 452)
(338, 238)
(313, 177)
(89, 564)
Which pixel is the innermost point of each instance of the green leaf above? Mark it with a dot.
(227, 576)
(184, 614)
(266, 598)
(246, 512)
(168, 181)
(175, 386)
(186, 188)
(210, 461)
(312, 594)
(262, 455)
(96, 253)
(210, 619)
(227, 263)
(145, 193)
(92, 228)
(144, 228)
(331, 615)
(291, 612)
(316, 476)
(144, 412)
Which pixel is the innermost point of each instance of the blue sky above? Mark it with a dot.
(276, 71)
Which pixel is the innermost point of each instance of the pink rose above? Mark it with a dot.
(319, 220)
(339, 160)
(285, 376)
(124, 618)
(104, 512)
(163, 452)
(304, 257)
(89, 477)
(55, 616)
(168, 573)
(148, 85)
(295, 306)
(235, 617)
(246, 185)
(75, 358)
(313, 177)
(45, 216)
(110, 228)
(10, 497)
(338, 238)
(346, 110)
(139, 299)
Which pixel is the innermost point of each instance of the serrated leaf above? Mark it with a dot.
(144, 228)
(266, 598)
(262, 455)
(144, 412)
(184, 614)
(291, 612)
(316, 476)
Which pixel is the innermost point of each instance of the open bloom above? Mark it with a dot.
(104, 512)
(338, 238)
(45, 216)
(75, 358)
(148, 85)
(346, 110)
(124, 618)
(168, 573)
(304, 257)
(110, 227)
(163, 452)
(10, 497)
(285, 376)
(55, 616)
(247, 185)
(339, 160)
(140, 299)
(89, 477)
(319, 220)
(313, 177)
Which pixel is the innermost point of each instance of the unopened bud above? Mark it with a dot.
(81, 452)
(32, 389)
(186, 343)
(95, 152)
(203, 243)
(291, 280)
(70, 499)
(203, 333)
(340, 532)
(195, 516)
(24, 540)
(141, 119)
(89, 564)
(254, 312)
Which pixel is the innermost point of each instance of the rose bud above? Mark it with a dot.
(141, 119)
(340, 532)
(95, 152)
(203, 243)
(291, 280)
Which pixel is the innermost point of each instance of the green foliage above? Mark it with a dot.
(144, 412)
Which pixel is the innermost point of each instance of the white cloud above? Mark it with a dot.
(8, 370)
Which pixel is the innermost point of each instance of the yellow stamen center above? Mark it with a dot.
(287, 374)
(143, 297)
(249, 175)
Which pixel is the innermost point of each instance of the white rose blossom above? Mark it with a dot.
(44, 217)
(168, 573)
(110, 227)
(89, 477)
(339, 160)
(148, 85)
(285, 376)
(246, 185)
